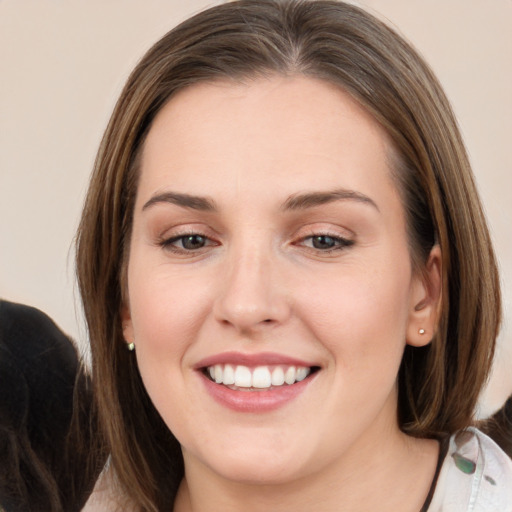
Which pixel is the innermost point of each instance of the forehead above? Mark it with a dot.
(291, 132)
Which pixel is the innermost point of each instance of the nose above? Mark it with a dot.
(251, 297)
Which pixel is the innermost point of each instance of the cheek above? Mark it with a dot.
(166, 308)
(360, 316)
(168, 311)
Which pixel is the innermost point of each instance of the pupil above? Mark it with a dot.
(323, 242)
(193, 242)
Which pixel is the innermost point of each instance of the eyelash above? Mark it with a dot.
(168, 243)
(340, 243)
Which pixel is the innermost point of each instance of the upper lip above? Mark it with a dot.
(259, 359)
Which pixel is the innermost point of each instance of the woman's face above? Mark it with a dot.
(269, 254)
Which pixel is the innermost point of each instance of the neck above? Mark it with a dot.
(394, 475)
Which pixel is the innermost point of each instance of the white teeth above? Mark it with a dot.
(229, 375)
(289, 376)
(261, 377)
(218, 373)
(302, 373)
(277, 376)
(243, 377)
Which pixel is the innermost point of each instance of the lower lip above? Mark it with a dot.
(255, 401)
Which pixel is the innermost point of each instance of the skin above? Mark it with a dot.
(259, 284)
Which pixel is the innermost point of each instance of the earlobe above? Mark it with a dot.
(127, 325)
(426, 301)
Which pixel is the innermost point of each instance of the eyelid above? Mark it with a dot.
(326, 229)
(167, 240)
(168, 232)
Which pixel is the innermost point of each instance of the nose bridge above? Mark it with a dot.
(250, 295)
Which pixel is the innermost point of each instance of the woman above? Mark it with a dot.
(289, 284)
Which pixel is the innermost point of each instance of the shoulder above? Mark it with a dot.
(476, 476)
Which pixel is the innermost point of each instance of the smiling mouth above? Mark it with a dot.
(259, 378)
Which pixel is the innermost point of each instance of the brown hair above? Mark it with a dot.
(499, 427)
(344, 45)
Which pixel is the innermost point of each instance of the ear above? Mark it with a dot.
(126, 320)
(426, 299)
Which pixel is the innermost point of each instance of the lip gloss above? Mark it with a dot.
(254, 401)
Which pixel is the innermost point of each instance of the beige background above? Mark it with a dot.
(63, 63)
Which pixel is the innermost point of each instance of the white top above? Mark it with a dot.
(476, 476)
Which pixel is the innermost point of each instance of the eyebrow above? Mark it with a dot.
(200, 203)
(294, 202)
(312, 199)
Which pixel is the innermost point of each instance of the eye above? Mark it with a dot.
(323, 242)
(192, 242)
(189, 242)
(326, 243)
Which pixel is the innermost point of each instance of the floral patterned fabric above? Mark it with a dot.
(476, 476)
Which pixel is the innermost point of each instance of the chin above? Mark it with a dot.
(253, 463)
(268, 472)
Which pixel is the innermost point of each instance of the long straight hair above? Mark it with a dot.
(343, 45)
